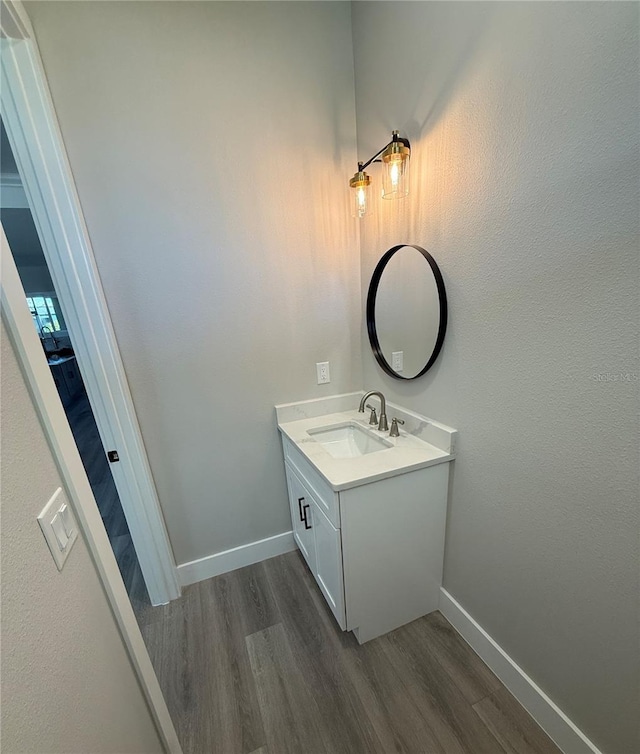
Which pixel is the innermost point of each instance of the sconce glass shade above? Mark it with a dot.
(395, 169)
(360, 186)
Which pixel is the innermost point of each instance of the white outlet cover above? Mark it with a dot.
(322, 372)
(397, 361)
(59, 527)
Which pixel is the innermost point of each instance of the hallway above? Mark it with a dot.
(85, 433)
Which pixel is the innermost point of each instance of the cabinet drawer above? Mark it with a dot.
(325, 497)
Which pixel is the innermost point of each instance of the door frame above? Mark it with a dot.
(33, 364)
(35, 138)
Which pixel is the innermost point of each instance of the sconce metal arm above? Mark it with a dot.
(363, 165)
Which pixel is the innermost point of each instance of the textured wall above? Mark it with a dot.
(524, 122)
(67, 684)
(229, 262)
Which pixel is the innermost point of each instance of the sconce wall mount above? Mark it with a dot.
(394, 157)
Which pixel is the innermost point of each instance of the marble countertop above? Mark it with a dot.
(408, 452)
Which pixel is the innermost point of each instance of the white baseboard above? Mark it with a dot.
(237, 557)
(544, 711)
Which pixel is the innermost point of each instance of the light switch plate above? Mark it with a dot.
(59, 527)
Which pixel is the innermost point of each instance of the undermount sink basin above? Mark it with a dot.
(348, 440)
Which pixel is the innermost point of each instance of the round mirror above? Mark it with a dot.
(406, 312)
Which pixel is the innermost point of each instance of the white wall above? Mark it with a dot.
(210, 144)
(67, 684)
(523, 118)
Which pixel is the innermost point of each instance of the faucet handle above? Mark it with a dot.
(394, 432)
(373, 419)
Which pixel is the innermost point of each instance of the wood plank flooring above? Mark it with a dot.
(252, 662)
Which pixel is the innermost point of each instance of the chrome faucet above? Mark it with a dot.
(382, 426)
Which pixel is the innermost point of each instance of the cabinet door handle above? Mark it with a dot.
(303, 514)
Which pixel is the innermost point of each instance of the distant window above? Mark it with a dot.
(46, 313)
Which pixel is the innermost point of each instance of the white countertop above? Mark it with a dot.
(59, 360)
(408, 452)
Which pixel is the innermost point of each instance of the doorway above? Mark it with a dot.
(57, 343)
(46, 180)
(38, 151)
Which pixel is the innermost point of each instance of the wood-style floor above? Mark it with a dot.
(252, 662)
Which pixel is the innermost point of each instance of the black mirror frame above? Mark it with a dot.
(371, 304)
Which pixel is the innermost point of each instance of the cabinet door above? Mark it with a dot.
(72, 377)
(61, 384)
(302, 518)
(328, 571)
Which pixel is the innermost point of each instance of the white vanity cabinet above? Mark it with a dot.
(300, 503)
(328, 571)
(375, 549)
(318, 539)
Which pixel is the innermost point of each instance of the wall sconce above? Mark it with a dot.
(395, 175)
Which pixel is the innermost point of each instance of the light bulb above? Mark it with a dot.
(360, 198)
(394, 174)
(395, 168)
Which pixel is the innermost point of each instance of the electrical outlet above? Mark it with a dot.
(397, 361)
(322, 371)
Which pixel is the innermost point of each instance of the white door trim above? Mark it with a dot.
(32, 128)
(37, 374)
